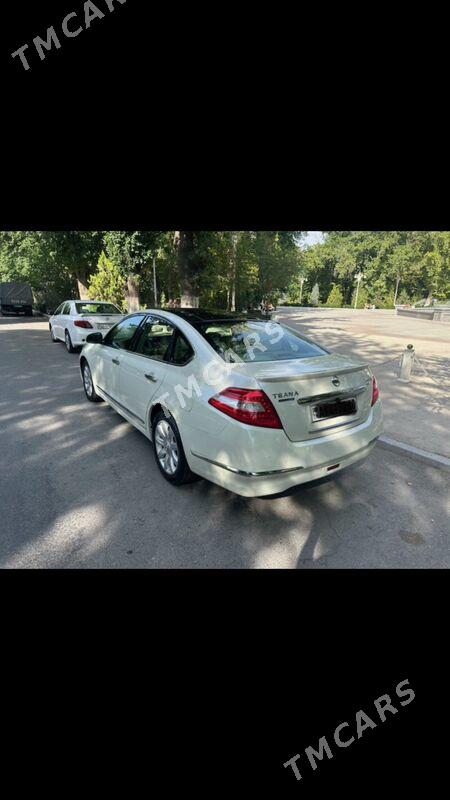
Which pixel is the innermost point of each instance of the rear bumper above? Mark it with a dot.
(258, 485)
(268, 462)
(78, 335)
(15, 311)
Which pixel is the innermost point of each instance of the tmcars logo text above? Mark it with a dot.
(344, 734)
(71, 28)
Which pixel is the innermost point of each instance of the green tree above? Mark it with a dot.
(362, 297)
(132, 253)
(335, 298)
(108, 283)
(56, 264)
(314, 296)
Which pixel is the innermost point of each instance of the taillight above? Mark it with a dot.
(247, 405)
(82, 323)
(375, 391)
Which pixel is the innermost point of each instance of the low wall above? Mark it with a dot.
(435, 315)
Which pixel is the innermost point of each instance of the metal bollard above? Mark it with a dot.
(406, 364)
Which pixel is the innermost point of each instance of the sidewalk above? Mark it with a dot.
(418, 413)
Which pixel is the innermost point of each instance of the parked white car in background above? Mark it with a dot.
(251, 405)
(75, 319)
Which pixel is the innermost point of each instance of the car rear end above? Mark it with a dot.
(285, 422)
(86, 322)
(16, 298)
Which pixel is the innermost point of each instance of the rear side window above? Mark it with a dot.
(250, 341)
(182, 350)
(66, 309)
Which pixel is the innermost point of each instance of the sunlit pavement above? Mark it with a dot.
(417, 413)
(79, 487)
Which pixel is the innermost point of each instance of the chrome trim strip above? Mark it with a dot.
(119, 405)
(309, 375)
(243, 472)
(283, 471)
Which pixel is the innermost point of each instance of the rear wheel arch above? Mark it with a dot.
(156, 409)
(183, 472)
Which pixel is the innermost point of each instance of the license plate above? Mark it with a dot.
(338, 408)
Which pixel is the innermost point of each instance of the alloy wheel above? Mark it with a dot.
(166, 447)
(87, 380)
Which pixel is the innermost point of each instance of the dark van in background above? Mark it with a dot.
(16, 298)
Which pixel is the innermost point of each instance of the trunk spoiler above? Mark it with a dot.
(308, 375)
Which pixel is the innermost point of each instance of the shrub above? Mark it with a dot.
(335, 298)
(403, 298)
(314, 296)
(362, 298)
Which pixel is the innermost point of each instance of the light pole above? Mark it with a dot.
(302, 280)
(359, 277)
(154, 282)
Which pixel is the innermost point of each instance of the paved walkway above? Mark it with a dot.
(416, 413)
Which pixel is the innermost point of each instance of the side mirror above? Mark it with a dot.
(94, 338)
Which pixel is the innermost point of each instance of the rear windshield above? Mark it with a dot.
(97, 308)
(257, 341)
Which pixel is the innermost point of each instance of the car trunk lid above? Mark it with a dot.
(101, 322)
(316, 396)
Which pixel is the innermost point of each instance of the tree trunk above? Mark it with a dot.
(396, 289)
(82, 282)
(186, 258)
(232, 287)
(132, 294)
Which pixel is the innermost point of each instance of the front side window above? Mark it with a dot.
(256, 341)
(58, 310)
(155, 339)
(97, 308)
(122, 335)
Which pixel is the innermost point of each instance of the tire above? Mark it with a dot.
(52, 336)
(68, 342)
(88, 384)
(169, 452)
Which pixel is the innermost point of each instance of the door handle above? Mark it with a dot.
(116, 361)
(151, 377)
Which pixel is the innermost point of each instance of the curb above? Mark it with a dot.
(432, 459)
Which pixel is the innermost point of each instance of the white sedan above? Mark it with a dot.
(74, 319)
(253, 406)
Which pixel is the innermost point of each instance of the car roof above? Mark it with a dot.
(197, 316)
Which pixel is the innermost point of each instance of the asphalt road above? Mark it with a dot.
(79, 488)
